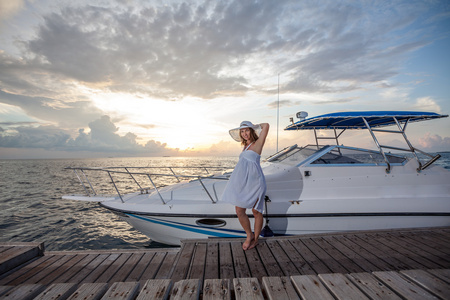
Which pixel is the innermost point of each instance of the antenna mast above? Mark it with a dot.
(278, 107)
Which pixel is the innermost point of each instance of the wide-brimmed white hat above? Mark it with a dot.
(244, 124)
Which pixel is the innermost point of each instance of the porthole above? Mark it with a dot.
(211, 222)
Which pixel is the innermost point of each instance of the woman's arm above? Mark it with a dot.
(259, 143)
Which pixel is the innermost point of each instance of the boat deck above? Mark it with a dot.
(393, 264)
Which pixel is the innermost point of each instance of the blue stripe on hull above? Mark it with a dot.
(191, 228)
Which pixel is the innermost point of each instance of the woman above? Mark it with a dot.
(247, 186)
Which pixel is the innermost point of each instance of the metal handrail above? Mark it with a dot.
(110, 170)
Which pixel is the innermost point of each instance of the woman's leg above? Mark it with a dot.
(259, 220)
(245, 223)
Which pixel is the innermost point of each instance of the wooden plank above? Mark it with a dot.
(440, 236)
(310, 287)
(326, 258)
(283, 261)
(12, 275)
(4, 248)
(122, 291)
(316, 264)
(183, 263)
(123, 272)
(212, 261)
(406, 251)
(226, 261)
(363, 264)
(341, 287)
(268, 260)
(15, 256)
(109, 274)
(424, 249)
(75, 269)
(49, 270)
(429, 239)
(89, 291)
(102, 267)
(112, 269)
(64, 268)
(255, 263)
(239, 260)
(443, 274)
(279, 288)
(382, 253)
(5, 288)
(340, 258)
(30, 272)
(185, 289)
(403, 286)
(353, 245)
(57, 291)
(88, 269)
(154, 266)
(372, 287)
(137, 271)
(165, 270)
(217, 289)
(23, 292)
(295, 258)
(247, 288)
(429, 282)
(155, 289)
(198, 263)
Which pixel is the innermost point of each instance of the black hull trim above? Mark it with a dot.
(318, 215)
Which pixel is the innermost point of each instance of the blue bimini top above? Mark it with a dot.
(355, 119)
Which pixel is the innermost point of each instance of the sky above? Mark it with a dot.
(170, 78)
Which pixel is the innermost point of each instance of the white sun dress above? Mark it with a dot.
(246, 187)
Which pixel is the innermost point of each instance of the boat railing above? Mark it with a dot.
(89, 189)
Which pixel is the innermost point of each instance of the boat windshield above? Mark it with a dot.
(294, 155)
(333, 155)
(340, 155)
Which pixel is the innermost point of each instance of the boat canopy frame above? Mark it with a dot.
(372, 121)
(90, 190)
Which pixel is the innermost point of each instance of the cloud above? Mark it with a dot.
(102, 137)
(212, 49)
(282, 103)
(8, 8)
(76, 113)
(435, 142)
(427, 104)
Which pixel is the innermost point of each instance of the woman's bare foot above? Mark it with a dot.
(253, 244)
(248, 242)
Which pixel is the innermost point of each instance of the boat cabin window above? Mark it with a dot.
(344, 155)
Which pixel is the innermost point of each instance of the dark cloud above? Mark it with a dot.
(69, 114)
(203, 49)
(102, 137)
(180, 50)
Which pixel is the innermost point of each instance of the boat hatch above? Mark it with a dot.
(211, 222)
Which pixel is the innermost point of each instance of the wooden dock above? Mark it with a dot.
(394, 264)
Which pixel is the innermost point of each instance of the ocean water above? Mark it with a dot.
(31, 208)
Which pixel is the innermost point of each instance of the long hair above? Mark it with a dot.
(253, 136)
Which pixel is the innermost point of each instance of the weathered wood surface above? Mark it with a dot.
(409, 284)
(15, 254)
(377, 262)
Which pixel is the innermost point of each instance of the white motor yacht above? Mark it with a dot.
(318, 188)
